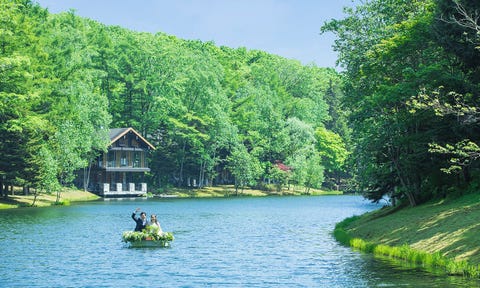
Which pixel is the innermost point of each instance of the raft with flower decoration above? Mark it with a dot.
(148, 238)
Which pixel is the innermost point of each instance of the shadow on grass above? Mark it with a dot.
(450, 228)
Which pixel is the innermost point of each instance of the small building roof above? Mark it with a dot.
(282, 166)
(117, 133)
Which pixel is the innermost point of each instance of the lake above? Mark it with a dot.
(231, 242)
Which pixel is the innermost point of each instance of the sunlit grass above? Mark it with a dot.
(7, 206)
(72, 195)
(43, 199)
(229, 190)
(426, 260)
(435, 235)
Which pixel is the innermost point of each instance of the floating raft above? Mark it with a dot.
(149, 244)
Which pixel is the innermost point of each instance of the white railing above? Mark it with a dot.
(134, 189)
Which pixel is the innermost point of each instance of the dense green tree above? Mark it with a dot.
(244, 167)
(380, 79)
(77, 111)
(20, 118)
(391, 52)
(333, 151)
(51, 91)
(215, 114)
(456, 30)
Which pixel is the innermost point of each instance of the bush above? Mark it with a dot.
(151, 233)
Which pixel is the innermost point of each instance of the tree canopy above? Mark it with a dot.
(215, 114)
(411, 83)
(399, 121)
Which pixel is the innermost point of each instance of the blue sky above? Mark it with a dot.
(289, 28)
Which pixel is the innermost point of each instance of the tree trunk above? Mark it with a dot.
(201, 175)
(57, 200)
(181, 164)
(466, 174)
(236, 187)
(86, 176)
(405, 184)
(411, 198)
(34, 197)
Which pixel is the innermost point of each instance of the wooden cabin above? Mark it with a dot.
(121, 170)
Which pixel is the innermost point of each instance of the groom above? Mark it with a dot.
(141, 221)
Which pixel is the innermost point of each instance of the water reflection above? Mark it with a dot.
(251, 242)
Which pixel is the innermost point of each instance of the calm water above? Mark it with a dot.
(244, 242)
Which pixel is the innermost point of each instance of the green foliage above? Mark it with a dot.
(52, 108)
(394, 54)
(332, 149)
(244, 167)
(279, 177)
(63, 203)
(464, 152)
(147, 234)
(215, 114)
(457, 30)
(403, 111)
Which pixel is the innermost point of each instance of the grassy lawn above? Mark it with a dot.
(229, 190)
(450, 227)
(71, 195)
(43, 200)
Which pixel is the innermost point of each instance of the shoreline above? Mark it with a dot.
(71, 195)
(437, 236)
(46, 200)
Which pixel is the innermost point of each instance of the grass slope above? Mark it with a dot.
(67, 196)
(229, 190)
(449, 228)
(71, 195)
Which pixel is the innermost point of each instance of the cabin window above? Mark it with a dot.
(123, 159)
(111, 159)
(137, 158)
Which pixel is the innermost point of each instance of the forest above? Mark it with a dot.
(216, 115)
(411, 74)
(400, 120)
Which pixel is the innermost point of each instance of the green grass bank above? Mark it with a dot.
(229, 191)
(72, 195)
(43, 200)
(442, 235)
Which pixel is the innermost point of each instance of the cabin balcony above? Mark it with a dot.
(127, 169)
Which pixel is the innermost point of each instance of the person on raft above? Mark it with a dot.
(141, 221)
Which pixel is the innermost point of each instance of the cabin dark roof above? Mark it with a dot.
(116, 133)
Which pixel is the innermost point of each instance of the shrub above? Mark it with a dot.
(149, 233)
